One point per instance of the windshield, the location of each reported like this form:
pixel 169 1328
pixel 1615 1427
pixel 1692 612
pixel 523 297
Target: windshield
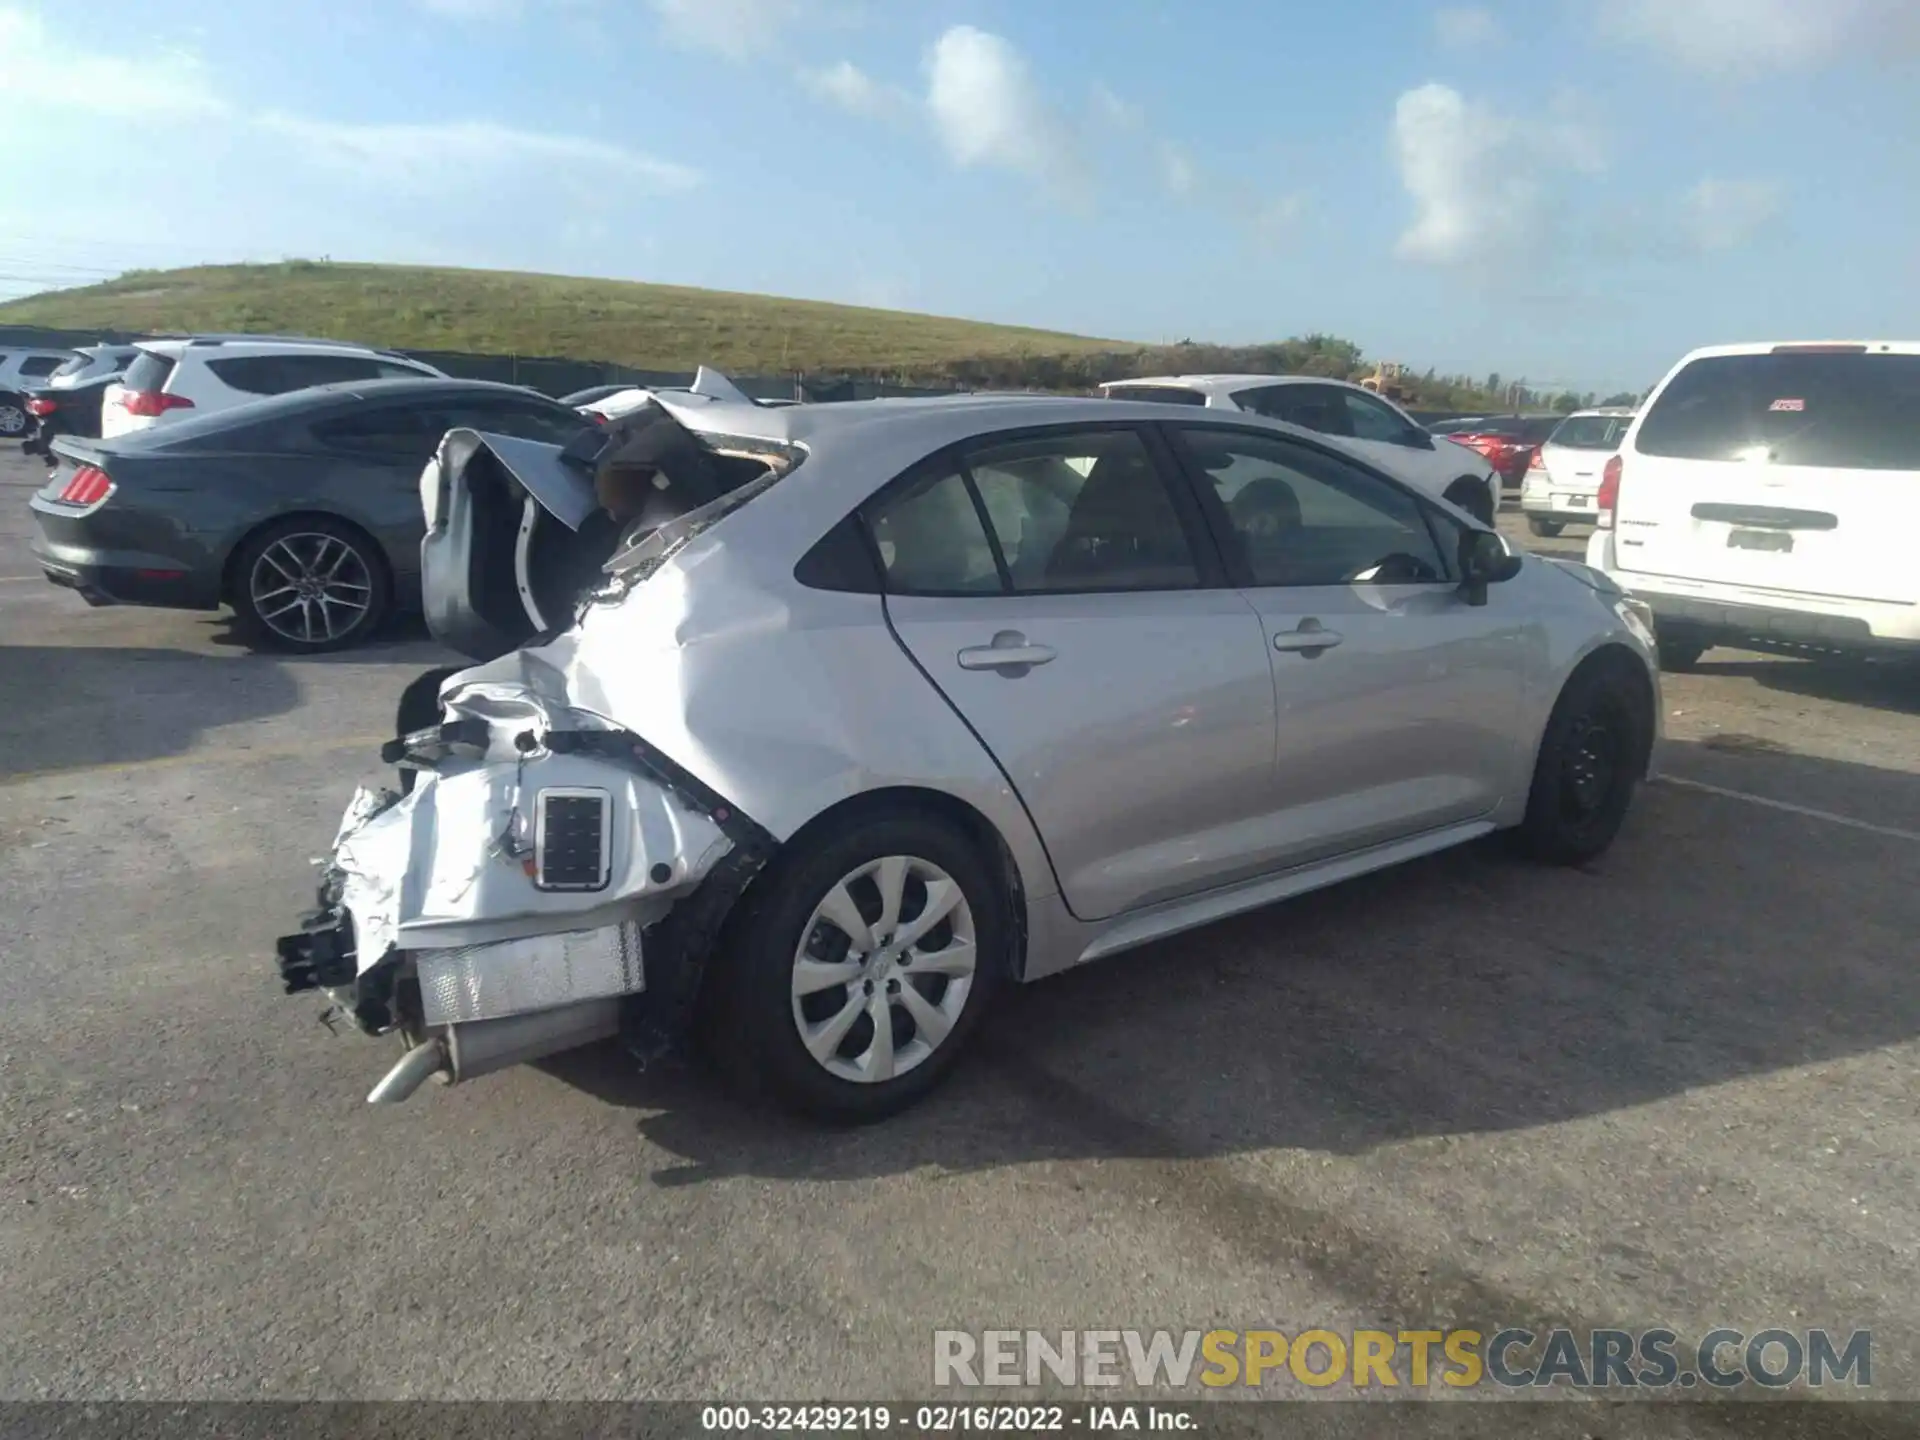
pixel 1590 432
pixel 1839 410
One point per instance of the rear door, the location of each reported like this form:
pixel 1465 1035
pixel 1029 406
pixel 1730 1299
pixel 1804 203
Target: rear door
pixel 1058 587
pixel 1795 470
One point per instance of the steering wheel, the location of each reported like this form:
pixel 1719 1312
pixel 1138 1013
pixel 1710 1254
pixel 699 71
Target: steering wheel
pixel 1398 568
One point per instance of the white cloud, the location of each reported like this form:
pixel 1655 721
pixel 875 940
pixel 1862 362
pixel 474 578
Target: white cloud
pixel 1478 178
pixel 432 156
pixel 1466 27
pixel 1725 214
pixel 37 70
pixel 1740 39
pixel 735 29
pixel 853 90
pixel 1177 170
pixel 989 112
pixel 1116 113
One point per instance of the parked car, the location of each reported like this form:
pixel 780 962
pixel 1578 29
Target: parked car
pixel 1375 429
pixel 922 697
pixel 300 512
pixel 21 370
pixel 1772 492
pixel 579 399
pixel 1563 477
pixel 171 379
pixel 68 401
pixel 1508 442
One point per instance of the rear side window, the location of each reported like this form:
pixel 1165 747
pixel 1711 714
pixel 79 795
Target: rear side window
pixel 1590 432
pixel 149 371
pixel 528 422
pixel 36 366
pixel 1157 394
pixel 1319 408
pixel 279 374
pixel 1846 411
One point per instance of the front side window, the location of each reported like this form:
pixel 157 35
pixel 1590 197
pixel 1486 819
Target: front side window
pixel 1304 518
pixel 1371 420
pixel 513 417
pixel 388 432
pixel 1157 394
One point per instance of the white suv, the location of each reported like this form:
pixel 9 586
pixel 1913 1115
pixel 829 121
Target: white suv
pixel 1376 430
pixel 1772 492
pixel 169 379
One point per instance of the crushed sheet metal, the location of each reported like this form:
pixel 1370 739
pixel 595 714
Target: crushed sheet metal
pixel 541 972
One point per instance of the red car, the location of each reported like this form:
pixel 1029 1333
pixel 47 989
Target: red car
pixel 1508 442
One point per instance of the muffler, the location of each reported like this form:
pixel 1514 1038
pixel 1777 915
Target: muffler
pixel 479 1047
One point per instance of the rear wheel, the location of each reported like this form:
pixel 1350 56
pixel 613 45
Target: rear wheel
pixel 859 968
pixel 311 584
pixel 1680 650
pixel 13 417
pixel 1545 529
pixel 1591 760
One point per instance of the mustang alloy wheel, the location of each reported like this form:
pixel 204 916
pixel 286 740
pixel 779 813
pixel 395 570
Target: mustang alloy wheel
pixel 311 585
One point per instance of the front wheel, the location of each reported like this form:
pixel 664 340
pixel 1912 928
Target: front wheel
pixel 311 584
pixel 13 418
pixel 1591 760
pixel 859 968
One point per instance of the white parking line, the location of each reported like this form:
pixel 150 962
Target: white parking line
pixel 1792 809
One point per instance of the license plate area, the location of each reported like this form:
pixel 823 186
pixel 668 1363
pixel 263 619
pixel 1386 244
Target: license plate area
pixel 1777 541
pixel 1572 502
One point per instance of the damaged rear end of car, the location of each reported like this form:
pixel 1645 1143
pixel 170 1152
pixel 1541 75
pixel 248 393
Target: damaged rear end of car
pixel 540 876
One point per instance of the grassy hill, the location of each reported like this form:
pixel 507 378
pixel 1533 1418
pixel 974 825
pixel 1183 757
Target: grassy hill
pixel 655 327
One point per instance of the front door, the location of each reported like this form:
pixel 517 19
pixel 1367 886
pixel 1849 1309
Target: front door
pixel 1395 698
pixel 1090 641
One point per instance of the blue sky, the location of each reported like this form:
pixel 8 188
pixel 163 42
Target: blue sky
pixel 1575 191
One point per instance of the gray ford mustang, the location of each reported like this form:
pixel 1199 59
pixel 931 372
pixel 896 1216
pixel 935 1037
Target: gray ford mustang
pixel 806 730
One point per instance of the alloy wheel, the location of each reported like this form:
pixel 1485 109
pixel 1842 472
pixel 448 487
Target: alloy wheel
pixel 13 420
pixel 311 588
pixel 883 969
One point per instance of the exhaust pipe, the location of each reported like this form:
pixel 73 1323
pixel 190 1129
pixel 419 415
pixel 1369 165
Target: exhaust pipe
pixel 479 1047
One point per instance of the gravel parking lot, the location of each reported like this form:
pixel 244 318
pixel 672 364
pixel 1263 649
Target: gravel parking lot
pixel 1674 1088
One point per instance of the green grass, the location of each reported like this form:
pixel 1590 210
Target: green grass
pixel 654 327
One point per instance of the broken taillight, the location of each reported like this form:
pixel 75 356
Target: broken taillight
pixel 89 486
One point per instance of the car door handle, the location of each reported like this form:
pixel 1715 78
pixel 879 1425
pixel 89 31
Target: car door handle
pixel 1310 639
pixel 1009 651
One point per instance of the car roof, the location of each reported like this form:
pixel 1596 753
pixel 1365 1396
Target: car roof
pixel 1767 347
pixel 1226 382
pixel 1609 411
pixel 174 346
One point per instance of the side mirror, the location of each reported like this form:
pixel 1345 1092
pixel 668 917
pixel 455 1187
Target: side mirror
pixel 1484 560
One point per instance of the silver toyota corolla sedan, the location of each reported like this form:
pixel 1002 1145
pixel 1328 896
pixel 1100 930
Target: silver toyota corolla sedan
pixel 807 730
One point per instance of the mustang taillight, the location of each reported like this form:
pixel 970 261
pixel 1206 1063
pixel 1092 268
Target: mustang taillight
pixel 40 405
pixel 89 486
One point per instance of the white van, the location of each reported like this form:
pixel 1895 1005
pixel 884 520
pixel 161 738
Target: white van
pixel 1772 492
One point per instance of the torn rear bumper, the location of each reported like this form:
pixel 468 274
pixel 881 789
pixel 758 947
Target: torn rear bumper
pixel 534 890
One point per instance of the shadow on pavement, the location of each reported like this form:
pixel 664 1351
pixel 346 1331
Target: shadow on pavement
pixel 1886 684
pixel 403 639
pixel 1472 992
pixel 73 706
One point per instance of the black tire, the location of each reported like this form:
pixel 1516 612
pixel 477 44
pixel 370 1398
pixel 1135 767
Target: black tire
pixel 1680 651
pixel 359 576
pixel 1471 496
pixel 750 1021
pixel 1591 761
pixel 13 416
pixel 1545 529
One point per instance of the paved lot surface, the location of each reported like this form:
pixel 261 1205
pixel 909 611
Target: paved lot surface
pixel 1676 1088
